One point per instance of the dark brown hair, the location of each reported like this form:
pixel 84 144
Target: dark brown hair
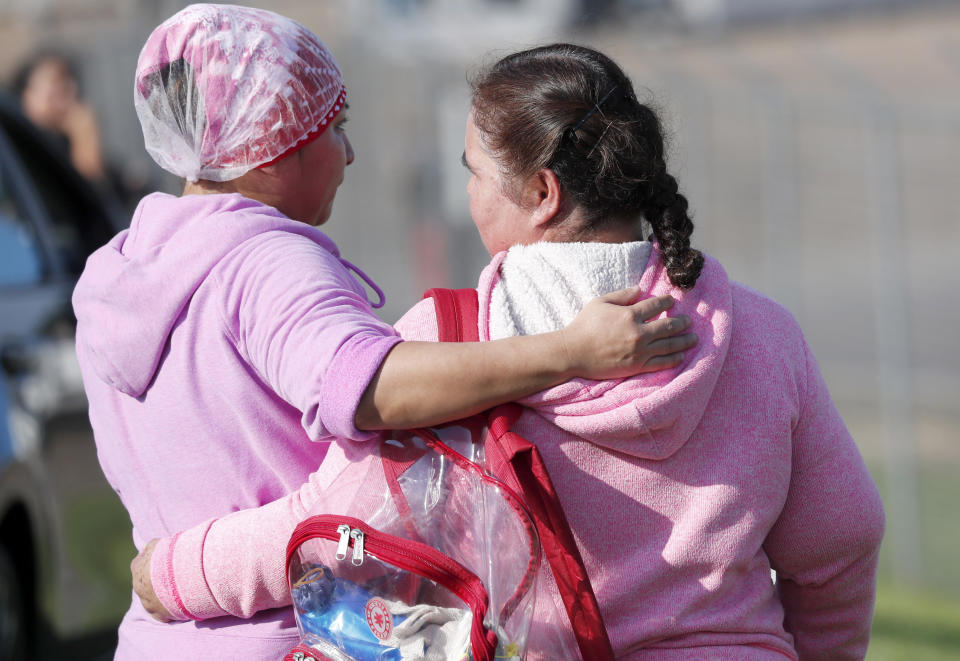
pixel 174 84
pixel 572 109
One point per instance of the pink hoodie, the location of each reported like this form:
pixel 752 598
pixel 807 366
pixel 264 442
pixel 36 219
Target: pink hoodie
pixel 684 488
pixel 217 339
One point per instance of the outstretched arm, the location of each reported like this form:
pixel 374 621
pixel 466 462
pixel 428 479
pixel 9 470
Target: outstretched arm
pixel 299 319
pixel 232 565
pixel 425 383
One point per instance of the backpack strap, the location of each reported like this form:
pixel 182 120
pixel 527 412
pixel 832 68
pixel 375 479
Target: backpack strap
pixel 457 314
pixel 518 462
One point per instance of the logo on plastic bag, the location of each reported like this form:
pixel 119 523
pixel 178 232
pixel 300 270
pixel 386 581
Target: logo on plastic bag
pixel 379 619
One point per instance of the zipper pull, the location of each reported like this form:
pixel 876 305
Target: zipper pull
pixel 357 536
pixel 344 531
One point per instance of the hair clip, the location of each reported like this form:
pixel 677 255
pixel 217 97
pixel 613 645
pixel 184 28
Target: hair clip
pixel 594 109
pixel 599 140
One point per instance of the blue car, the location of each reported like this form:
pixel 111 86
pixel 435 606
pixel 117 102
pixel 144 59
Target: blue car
pixel 64 537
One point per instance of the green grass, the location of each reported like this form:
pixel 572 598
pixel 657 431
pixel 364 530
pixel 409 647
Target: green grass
pixel 915 626
pixel 923 623
pixel 98 544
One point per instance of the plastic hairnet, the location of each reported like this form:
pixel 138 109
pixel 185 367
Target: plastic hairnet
pixel 222 89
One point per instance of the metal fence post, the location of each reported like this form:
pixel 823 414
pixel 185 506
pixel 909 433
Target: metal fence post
pixel 895 377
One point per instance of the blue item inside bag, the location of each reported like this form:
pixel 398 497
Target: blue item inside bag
pixel 336 608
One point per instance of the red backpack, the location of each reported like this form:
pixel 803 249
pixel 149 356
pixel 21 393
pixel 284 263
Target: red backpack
pixel 419 525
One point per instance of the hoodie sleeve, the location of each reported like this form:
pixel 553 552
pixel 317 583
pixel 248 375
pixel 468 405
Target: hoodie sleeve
pixel 235 565
pixel 826 541
pixel 304 325
pixel 419 323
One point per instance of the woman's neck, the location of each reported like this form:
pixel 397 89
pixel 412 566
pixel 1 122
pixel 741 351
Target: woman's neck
pixel 617 231
pixel 204 187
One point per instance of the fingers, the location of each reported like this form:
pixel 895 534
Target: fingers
pixel 670 345
pixel 143 558
pixel 658 363
pixel 136 569
pixel 140 571
pixel 158 613
pixel 651 307
pixel 667 327
pixel 644 346
pixel 622 296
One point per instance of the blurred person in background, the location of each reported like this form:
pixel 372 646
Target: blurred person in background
pixel 223 332
pixel 683 489
pixel 49 88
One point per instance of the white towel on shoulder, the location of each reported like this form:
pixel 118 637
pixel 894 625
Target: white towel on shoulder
pixel 543 286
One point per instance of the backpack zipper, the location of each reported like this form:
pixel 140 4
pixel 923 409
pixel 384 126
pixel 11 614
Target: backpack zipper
pixel 318 651
pixel 409 555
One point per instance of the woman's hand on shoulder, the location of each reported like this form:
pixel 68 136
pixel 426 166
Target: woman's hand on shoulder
pixel 611 337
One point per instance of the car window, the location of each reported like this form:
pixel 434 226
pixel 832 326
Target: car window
pixel 20 254
pixel 79 222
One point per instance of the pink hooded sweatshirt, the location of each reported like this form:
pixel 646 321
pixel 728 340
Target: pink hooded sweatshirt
pixel 684 488
pixel 218 339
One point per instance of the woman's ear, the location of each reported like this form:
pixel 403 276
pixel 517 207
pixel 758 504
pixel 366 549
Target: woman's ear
pixel 545 196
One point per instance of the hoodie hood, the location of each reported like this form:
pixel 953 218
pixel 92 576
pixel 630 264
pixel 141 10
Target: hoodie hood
pixel 134 289
pixel 541 287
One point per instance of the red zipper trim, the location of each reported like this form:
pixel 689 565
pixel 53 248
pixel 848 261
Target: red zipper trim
pixel 434 441
pixel 308 653
pixel 511 497
pixel 411 556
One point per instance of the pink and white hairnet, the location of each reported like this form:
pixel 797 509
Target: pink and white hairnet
pixel 222 89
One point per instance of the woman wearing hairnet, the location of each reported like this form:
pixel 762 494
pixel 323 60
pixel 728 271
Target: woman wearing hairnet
pixel 223 331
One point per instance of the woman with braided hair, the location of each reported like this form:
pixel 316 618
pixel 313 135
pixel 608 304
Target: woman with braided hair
pixel 683 488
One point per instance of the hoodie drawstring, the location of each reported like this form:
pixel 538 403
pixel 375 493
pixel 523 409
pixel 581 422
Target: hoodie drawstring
pixel 370 283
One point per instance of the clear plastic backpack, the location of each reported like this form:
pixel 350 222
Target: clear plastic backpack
pixel 427 546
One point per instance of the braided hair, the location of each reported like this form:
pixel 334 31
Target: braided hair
pixel 572 110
